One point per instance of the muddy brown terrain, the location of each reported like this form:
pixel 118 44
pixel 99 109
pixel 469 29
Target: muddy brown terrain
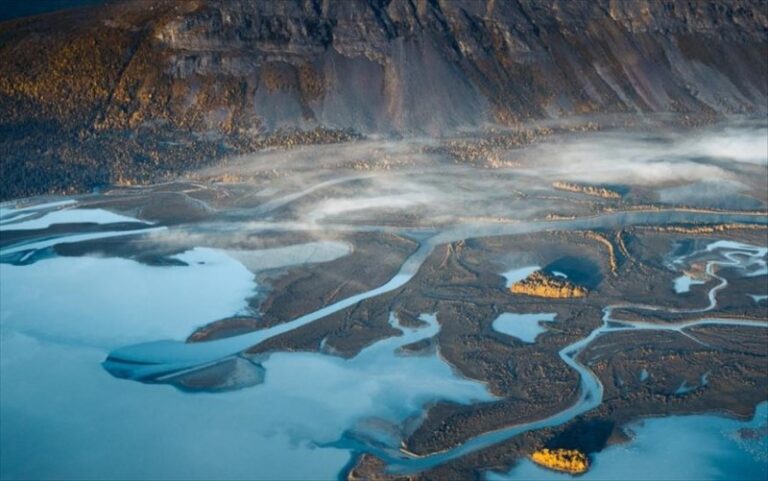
pixel 530 379
pixel 645 373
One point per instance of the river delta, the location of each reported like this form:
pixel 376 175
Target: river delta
pixel 350 306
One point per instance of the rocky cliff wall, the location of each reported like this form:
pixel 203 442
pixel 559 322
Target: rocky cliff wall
pixel 410 67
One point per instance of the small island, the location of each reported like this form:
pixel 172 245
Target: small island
pixel 570 461
pixel 540 284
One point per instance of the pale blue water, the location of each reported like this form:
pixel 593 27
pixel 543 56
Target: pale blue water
pixel 67 417
pixel 683 283
pixel 702 447
pixel 63 416
pixel 108 302
pixel 9 212
pixel 66 216
pixel 525 327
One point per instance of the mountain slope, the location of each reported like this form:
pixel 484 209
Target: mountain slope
pixel 131 80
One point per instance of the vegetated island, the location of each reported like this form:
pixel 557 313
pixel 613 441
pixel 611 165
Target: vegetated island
pixel 593 190
pixel 570 461
pixel 540 284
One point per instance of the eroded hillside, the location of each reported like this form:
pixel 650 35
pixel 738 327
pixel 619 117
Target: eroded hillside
pixel 132 91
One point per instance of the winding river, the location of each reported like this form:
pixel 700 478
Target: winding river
pixel 152 360
pixel 591 390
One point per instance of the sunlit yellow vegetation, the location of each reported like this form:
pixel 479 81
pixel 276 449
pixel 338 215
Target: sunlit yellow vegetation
pixel 541 285
pixel 587 189
pixel 567 460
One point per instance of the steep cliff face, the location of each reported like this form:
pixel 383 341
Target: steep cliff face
pixel 375 66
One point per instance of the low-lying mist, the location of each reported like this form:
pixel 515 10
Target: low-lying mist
pixel 414 181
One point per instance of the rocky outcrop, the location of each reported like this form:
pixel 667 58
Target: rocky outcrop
pixel 231 72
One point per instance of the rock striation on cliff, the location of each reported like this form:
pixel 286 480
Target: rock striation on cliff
pixel 196 72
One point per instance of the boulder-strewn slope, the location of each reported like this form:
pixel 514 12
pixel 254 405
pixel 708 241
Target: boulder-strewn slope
pixel 128 90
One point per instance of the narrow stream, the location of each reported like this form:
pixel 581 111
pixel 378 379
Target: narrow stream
pixel 591 390
pixel 161 358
